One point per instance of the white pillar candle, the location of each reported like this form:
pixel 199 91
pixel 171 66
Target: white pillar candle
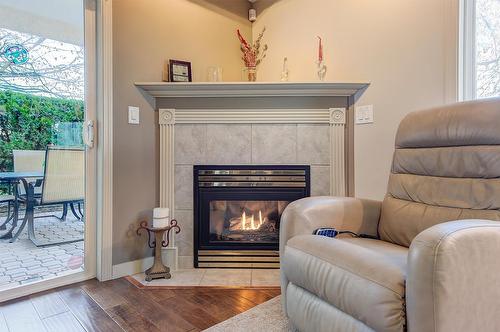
pixel 161 212
pixel 160 217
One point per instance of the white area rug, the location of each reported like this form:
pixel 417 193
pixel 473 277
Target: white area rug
pixel 264 317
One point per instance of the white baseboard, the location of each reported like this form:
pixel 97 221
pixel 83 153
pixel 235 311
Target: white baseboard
pixel 132 267
pixel 169 257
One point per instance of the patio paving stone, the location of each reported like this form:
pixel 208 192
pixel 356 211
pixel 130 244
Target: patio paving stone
pixel 21 270
pixel 53 264
pixel 32 267
pixel 11 265
pixel 4 279
pixel 18 276
pixel 39 271
pixel 9 260
pixel 30 280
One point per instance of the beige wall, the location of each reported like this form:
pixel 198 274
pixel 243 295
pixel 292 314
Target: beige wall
pixel 145 33
pixel 406 49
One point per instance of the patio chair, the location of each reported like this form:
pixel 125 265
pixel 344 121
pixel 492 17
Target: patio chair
pixel 34 161
pixel 63 183
pixel 12 212
pixel 28 161
pixel 24 161
pixel 63 176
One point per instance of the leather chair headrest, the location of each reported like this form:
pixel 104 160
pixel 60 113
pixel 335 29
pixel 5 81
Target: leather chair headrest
pixel 462 124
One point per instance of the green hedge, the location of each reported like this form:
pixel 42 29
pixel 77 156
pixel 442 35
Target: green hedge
pixel 27 122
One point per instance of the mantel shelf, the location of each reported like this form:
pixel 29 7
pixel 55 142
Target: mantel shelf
pixel 253 89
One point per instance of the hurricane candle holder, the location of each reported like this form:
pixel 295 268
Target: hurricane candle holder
pixel 158 270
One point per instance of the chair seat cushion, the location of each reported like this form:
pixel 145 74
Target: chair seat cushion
pixel 364 278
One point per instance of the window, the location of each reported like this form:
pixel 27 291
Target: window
pixel 480 59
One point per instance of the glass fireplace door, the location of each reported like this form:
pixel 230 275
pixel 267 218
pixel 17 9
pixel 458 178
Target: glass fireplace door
pixel 243 219
pixel 237 212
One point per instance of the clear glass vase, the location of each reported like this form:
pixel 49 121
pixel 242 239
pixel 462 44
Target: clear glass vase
pixel 250 74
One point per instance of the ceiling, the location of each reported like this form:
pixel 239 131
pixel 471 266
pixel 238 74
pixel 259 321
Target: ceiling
pixel 234 7
pixel 237 7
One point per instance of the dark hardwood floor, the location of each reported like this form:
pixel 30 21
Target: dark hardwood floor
pixel 120 306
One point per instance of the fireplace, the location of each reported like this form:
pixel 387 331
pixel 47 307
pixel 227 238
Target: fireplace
pixel 237 211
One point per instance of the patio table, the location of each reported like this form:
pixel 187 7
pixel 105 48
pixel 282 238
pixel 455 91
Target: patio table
pixel 14 178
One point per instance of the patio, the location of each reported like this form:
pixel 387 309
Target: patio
pixel 22 262
pixel 45 186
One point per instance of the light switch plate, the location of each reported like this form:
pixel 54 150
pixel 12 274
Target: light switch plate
pixel 133 115
pixel 364 114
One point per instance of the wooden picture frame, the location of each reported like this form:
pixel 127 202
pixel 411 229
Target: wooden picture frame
pixel 180 71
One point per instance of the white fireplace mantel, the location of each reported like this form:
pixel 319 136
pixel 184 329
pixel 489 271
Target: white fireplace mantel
pixel 339 119
pixel 251 89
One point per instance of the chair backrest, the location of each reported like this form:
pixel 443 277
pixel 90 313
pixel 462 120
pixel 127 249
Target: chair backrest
pixel 446 166
pixel 64 175
pixel 28 161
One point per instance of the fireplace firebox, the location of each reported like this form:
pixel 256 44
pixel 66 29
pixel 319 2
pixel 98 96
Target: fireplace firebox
pixel 237 211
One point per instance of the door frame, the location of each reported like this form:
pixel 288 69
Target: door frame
pixel 98 191
pixel 104 15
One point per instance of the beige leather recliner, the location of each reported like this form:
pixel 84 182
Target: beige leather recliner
pixel 436 266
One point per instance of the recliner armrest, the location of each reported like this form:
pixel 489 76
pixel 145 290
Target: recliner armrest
pixel 343 213
pixel 453 279
pixel 308 214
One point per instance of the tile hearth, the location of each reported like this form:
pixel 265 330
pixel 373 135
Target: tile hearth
pixel 216 278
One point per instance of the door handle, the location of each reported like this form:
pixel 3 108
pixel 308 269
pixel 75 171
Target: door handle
pixel 88 133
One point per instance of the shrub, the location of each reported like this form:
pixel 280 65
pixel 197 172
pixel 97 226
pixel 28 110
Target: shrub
pixel 27 122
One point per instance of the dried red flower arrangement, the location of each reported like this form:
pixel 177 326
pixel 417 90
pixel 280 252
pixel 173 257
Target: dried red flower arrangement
pixel 252 55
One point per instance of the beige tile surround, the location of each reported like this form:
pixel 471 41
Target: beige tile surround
pixel 216 278
pixel 198 144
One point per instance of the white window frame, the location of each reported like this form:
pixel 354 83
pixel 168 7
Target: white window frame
pixel 467 50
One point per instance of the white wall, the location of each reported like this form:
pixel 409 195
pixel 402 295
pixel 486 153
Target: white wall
pixel 406 49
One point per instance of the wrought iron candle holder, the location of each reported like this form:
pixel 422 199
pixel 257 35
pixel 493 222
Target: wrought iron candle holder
pixel 158 270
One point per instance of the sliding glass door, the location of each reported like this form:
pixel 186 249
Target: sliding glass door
pixel 47 158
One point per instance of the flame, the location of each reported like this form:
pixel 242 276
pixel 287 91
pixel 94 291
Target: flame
pixel 253 226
